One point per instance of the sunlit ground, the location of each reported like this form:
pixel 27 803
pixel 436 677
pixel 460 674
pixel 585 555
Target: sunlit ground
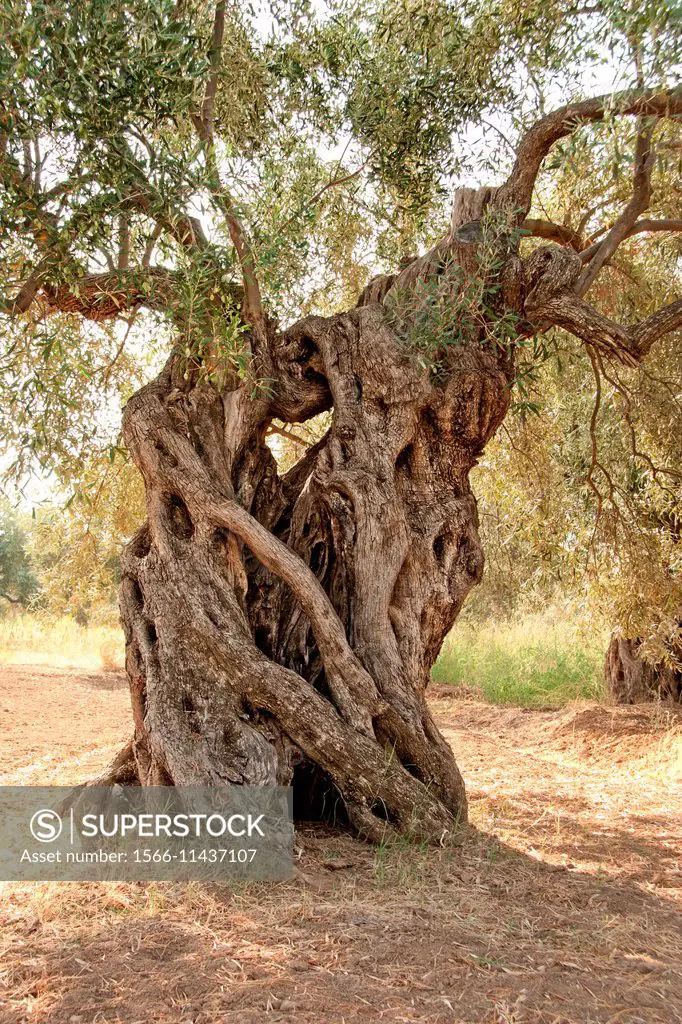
pixel 562 905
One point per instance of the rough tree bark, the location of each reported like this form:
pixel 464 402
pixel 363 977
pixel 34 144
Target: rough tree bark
pixel 631 680
pixel 281 630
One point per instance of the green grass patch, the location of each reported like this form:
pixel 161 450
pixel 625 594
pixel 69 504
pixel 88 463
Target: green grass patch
pixel 538 661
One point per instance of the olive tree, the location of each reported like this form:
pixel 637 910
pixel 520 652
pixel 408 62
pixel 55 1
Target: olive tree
pixel 281 626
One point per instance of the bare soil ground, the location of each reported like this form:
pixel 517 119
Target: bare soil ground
pixel 562 906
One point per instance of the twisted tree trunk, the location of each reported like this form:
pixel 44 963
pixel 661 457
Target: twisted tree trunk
pixel 631 680
pixel 281 629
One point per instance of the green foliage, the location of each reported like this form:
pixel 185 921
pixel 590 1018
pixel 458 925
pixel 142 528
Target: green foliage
pixel 603 527
pixel 65 559
pixel 75 550
pixel 456 306
pixel 62 385
pixel 99 66
pixel 18 582
pixel 419 72
pixel 213 342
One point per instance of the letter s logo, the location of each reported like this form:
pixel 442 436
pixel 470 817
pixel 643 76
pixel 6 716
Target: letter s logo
pixel 46 826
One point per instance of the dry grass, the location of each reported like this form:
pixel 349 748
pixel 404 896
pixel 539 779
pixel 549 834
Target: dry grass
pixel 561 908
pixel 483 935
pixel 59 641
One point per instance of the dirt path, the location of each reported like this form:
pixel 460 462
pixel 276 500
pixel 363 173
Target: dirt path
pixel 59 725
pixel 563 906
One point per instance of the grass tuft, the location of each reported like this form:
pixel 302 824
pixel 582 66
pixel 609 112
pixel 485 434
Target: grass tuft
pixel 537 661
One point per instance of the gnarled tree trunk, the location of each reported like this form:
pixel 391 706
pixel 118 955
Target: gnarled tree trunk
pixel 632 680
pixel 281 629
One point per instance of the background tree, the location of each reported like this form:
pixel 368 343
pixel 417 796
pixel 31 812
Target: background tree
pixel 281 627
pixel 580 492
pixel 76 551
pixel 18 581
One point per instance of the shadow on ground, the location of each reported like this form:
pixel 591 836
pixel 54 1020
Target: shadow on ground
pixel 562 906
pixel 481 933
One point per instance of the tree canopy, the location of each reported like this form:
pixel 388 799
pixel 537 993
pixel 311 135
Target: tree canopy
pixel 154 154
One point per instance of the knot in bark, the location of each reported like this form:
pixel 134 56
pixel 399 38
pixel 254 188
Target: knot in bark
pixel 549 270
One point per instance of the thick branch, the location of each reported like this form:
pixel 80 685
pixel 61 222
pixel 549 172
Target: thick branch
pixel 639 201
pixel 627 344
pixel 560 233
pixel 657 325
pixel 352 687
pixel 517 191
pixel 99 296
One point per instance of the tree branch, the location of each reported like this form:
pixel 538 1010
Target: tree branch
pixel 627 344
pixel 253 303
pixel 290 435
pixel 98 296
pixel 639 201
pixel 151 243
pixel 186 230
pixel 560 233
pixel 28 291
pixel 639 227
pixel 203 122
pixel 517 191
pixel 335 182
pixel 214 58
pixel 39 221
pixel 648 331
pixel 123 242
pixel 594 457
